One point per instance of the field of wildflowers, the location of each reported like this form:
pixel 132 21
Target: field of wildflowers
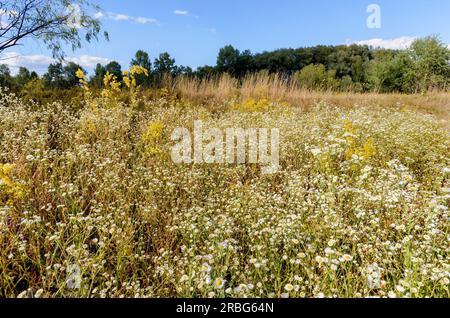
pixel 91 204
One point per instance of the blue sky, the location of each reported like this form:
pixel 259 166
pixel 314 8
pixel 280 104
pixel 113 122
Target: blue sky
pixel 193 31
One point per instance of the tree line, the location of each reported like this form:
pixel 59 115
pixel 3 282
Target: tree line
pixel 424 66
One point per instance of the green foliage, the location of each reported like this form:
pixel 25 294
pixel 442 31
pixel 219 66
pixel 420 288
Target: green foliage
pixel 233 62
pixel 431 63
pixel 62 77
pixel 142 59
pixel 182 71
pixel 206 71
pixel 6 79
pixel 227 59
pixel 99 74
pixel 56 23
pixel 115 69
pixel 392 73
pixel 164 64
pixel 423 67
pixel 23 77
pixel 316 77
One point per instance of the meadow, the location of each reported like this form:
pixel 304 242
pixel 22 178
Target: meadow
pixel 91 204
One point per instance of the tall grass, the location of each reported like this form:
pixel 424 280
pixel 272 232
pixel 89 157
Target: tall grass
pixel 275 87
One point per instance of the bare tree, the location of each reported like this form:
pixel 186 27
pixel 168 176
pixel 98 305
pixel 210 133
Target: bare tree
pixel 54 22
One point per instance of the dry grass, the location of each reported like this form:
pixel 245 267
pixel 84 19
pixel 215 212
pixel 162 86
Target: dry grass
pixel 276 88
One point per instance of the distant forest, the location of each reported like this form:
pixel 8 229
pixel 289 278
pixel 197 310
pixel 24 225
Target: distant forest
pixel 424 66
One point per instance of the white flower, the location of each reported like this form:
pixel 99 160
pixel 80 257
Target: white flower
pixel 391 294
pixel 223 245
pixel 39 293
pixel 331 243
pixel 400 289
pixel 345 258
pixel 205 267
pixel 219 283
pixel 316 152
pixel 23 294
pixel 373 276
pixel 329 251
pixel 184 278
pixel 319 259
pixel 289 287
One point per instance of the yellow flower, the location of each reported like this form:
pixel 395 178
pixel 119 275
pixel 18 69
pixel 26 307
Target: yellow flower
pixel 252 105
pixel 130 76
pixel 151 138
pixel 137 70
pixel 6 169
pixel 80 74
pixel 10 191
pixel 154 132
pixel 127 81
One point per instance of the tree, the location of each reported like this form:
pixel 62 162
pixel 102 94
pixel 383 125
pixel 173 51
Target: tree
pixel 54 77
pixel 349 61
pixel 23 77
pixel 115 69
pixel 54 22
pixel 59 76
pixel 206 72
pixel 182 71
pixel 316 77
pixel 142 59
pixel 244 64
pixel 392 72
pixel 5 76
pixel 34 76
pixel 431 62
pixel 70 77
pixel 99 74
pixel 164 64
pixel 227 59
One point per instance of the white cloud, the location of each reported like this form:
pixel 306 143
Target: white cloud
pixel 99 15
pixel 403 42
pixel 141 20
pixel 181 12
pixel 40 63
pixel 88 61
pixel 120 17
pixel 185 13
pixel 34 62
